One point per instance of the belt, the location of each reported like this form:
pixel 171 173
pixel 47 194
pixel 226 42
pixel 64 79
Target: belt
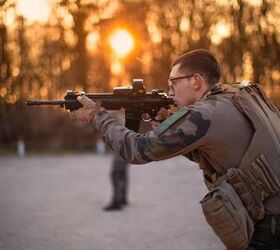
pixel 267 233
pixel 271 222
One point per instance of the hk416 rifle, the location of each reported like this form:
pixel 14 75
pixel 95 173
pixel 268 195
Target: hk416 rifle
pixel 138 104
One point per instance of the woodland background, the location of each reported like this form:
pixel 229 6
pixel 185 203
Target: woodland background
pixel 70 50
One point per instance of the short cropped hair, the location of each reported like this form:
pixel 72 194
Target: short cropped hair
pixel 200 61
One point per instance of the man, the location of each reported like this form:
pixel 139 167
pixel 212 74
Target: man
pixel 209 129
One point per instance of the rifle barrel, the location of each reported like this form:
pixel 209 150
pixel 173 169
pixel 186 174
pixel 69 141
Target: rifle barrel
pixel 45 102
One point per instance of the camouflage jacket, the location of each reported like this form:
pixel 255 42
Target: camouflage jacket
pixel 212 127
pixel 211 132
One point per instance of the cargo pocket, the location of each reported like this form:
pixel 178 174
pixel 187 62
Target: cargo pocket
pixel 228 217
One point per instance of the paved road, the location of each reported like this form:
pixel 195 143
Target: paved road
pixel 54 203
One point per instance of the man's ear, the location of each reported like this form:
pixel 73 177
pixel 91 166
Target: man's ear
pixel 198 81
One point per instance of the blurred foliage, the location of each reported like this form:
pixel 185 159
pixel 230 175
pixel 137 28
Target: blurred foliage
pixel 71 51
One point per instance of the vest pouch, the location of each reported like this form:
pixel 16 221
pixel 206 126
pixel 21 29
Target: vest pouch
pixel 228 217
pixel 263 178
pixel 244 187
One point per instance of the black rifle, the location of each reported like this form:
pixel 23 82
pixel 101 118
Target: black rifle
pixel 134 99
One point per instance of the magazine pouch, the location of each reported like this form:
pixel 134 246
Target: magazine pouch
pixel 228 217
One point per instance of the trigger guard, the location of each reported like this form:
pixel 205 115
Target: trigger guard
pixel 146 117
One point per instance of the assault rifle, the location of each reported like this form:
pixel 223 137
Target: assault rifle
pixel 137 103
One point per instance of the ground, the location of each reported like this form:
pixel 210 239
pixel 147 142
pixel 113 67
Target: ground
pixel 55 203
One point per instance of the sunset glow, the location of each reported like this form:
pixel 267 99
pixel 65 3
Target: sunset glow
pixel 219 32
pixel 91 41
pixel 34 10
pixel 121 41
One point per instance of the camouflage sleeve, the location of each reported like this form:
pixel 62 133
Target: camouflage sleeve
pixel 179 134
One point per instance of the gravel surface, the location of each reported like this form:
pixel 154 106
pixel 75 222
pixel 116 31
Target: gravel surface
pixel 55 203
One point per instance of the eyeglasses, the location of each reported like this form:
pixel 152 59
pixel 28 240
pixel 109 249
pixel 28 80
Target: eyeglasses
pixel 172 79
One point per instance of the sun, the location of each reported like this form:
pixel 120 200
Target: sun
pixel 121 42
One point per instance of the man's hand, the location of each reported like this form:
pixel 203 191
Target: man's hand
pixel 87 112
pixel 161 116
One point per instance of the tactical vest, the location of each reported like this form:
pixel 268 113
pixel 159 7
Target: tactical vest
pixel 258 175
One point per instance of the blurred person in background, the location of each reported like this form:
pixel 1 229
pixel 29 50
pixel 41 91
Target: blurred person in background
pixel 119 182
pixel 119 177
